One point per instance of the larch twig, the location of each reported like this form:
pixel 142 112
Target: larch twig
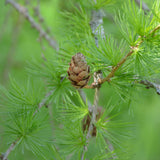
pixel 22 10
pixel 12 146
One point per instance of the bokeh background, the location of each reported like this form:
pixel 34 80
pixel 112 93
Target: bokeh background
pixel 19 42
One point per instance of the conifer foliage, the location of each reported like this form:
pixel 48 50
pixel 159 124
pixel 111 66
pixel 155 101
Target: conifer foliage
pixel 59 120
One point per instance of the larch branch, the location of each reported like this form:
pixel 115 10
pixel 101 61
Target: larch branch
pixel 124 59
pixel 40 105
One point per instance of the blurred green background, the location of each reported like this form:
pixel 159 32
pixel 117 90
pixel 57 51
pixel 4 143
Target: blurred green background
pixel 19 43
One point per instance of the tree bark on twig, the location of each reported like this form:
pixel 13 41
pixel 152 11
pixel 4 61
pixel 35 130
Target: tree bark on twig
pixel 149 84
pixel 22 10
pixel 43 102
pixel 12 146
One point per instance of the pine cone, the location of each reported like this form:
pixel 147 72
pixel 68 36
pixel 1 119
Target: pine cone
pixel 78 71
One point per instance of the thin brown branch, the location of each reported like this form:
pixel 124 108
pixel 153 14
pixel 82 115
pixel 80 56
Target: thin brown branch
pixel 12 146
pixel 22 10
pixel 154 30
pixel 123 60
pixel 111 74
pixel 115 68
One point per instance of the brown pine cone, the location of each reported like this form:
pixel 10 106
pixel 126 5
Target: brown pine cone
pixel 78 71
